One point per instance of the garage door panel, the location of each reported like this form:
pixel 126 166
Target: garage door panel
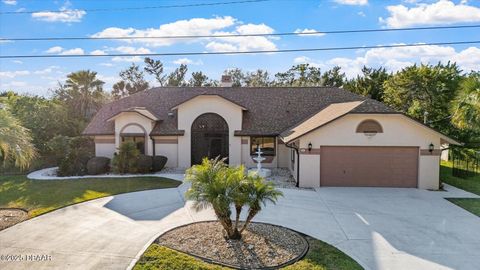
pixel 368 166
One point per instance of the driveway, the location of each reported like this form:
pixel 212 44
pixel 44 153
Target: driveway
pixel 381 228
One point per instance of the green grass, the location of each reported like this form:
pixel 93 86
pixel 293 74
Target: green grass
pixel 471 184
pixel 320 256
pixel 39 197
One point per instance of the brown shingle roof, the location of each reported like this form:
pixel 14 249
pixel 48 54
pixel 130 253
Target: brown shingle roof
pixel 269 110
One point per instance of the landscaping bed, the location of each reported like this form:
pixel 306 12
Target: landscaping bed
pixel 262 245
pixel 11 216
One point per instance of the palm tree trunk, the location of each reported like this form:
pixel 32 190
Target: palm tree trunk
pixel 251 215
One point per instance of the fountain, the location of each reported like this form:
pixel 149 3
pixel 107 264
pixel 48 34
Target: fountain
pixel 262 172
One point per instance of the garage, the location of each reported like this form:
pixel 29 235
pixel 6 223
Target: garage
pixel 369 166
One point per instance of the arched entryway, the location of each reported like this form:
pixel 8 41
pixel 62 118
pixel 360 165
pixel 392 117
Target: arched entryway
pixel 209 137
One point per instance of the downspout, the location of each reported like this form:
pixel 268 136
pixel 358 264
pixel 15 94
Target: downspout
pixel 153 143
pixel 298 161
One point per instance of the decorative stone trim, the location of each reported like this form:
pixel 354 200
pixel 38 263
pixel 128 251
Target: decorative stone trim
pixel 426 152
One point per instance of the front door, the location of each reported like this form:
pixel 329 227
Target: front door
pixel 209 138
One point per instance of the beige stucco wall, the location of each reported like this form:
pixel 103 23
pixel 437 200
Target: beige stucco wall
pixel 166 146
pixel 123 123
pixel 398 130
pixel 104 146
pixel 283 155
pixel 190 110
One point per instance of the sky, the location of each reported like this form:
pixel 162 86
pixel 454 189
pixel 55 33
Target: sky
pixel 78 19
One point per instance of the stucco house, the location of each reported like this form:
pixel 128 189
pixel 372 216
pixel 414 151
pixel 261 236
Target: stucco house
pixel 326 136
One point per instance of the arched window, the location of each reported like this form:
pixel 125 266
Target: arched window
pixel 369 126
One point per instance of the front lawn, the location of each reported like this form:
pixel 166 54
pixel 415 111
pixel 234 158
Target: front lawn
pixel 321 256
pixel 41 196
pixel 471 184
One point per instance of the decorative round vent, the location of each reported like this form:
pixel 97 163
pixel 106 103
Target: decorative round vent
pixel 369 127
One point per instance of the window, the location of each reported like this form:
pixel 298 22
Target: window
pixel 369 126
pixel 138 140
pixel 266 143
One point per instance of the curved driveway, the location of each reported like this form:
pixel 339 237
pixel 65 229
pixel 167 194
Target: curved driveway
pixel 381 228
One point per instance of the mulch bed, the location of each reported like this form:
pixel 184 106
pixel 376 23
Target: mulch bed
pixel 262 245
pixel 11 216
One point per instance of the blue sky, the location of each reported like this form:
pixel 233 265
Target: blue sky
pixel 36 76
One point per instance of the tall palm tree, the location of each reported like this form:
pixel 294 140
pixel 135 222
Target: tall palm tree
pixel 84 92
pixel 15 141
pixel 466 105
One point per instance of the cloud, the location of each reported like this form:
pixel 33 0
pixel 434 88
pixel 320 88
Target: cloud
pixel 76 51
pixel 13 74
pixel 17 62
pixel 187 61
pixel 131 50
pixel 394 59
pixel 352 2
pixel 47 70
pixel 55 49
pixel 306 31
pixel 106 64
pixel 441 12
pixel 98 52
pixel 127 59
pixel 64 15
pixel 9 2
pixel 200 27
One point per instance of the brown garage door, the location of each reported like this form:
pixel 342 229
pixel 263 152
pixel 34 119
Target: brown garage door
pixel 368 166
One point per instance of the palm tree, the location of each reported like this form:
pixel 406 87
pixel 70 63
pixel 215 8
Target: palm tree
pixel 83 91
pixel 15 141
pixel 466 105
pixel 221 187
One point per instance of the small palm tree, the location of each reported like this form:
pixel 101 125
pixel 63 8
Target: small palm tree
pixel 15 141
pixel 221 187
pixel 466 105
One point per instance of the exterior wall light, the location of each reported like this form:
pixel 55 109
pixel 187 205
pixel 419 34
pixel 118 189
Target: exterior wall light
pixel 431 147
pixel 310 147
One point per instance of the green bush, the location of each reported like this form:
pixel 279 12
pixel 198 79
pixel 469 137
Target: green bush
pixel 80 150
pixel 144 164
pixel 98 165
pixel 126 159
pixel 159 163
pixel 57 147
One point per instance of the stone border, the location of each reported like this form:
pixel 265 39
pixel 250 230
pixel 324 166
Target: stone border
pixel 292 261
pixel 17 209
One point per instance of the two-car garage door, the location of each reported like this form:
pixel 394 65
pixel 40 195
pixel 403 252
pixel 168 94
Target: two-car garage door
pixel 361 166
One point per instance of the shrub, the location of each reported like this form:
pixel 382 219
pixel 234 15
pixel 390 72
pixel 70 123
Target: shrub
pixel 80 150
pixel 57 147
pixel 126 159
pixel 98 165
pixel 144 164
pixel 159 162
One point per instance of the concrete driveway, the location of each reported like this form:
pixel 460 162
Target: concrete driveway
pixel 380 228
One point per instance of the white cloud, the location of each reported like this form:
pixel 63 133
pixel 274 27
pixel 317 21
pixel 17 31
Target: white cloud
pixel 441 12
pixel 64 15
pixel 75 51
pixel 187 61
pixel 361 14
pixel 352 2
pixel 394 59
pixel 10 2
pixel 16 84
pixel 131 50
pixel 47 70
pixel 98 52
pixel 13 74
pixel 306 31
pixel 106 64
pixel 127 59
pixel 17 62
pixel 200 27
pixel 55 49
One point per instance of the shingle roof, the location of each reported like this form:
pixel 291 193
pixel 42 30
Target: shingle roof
pixel 269 110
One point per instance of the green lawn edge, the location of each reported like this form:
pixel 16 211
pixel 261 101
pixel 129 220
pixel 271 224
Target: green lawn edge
pixel 321 256
pixel 471 184
pixel 39 197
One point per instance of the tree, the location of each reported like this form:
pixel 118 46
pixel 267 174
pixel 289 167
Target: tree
pixel 15 141
pixel 300 75
pixel 198 79
pixel 215 184
pixel 333 77
pixel 155 68
pixel 370 83
pixel 258 78
pixel 177 77
pixel 133 81
pixel 466 105
pixel 82 93
pixel 238 77
pixel 424 90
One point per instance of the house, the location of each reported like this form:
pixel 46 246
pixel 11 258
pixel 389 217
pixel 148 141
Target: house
pixel 326 136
